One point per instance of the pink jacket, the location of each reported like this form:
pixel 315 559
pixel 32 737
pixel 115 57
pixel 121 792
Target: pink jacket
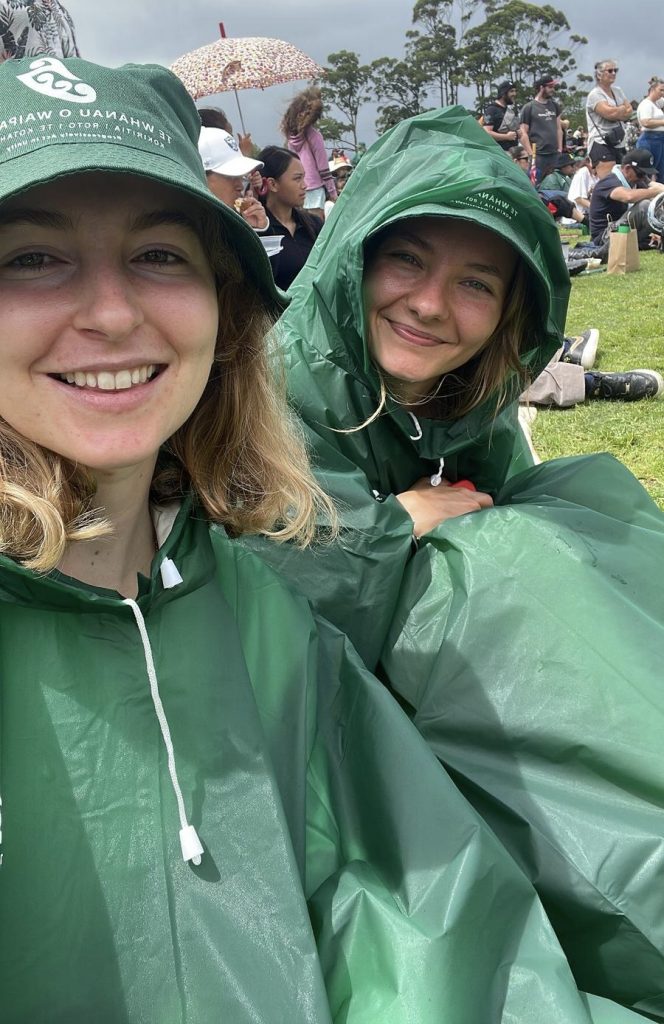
pixel 310 148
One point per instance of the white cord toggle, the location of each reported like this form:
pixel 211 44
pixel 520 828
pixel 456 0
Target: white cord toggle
pixel 189 841
pixel 192 848
pixel 437 478
pixel 170 577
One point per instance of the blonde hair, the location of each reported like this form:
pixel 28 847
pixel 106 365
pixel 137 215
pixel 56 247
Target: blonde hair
pixel 302 112
pixel 239 450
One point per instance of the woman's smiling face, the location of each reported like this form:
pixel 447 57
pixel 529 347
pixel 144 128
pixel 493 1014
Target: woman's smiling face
pixel 109 317
pixel 434 292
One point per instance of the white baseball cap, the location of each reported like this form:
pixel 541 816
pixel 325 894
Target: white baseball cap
pixel 220 153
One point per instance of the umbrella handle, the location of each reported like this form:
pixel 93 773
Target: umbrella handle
pixel 222 33
pixel 239 110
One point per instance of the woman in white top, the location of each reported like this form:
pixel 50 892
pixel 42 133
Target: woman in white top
pixel 651 122
pixel 607 108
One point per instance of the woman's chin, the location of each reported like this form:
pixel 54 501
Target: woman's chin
pixel 115 459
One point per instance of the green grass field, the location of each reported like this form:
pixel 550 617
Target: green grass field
pixel 629 313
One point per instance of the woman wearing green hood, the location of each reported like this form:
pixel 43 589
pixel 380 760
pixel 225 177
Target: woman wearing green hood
pixel 523 625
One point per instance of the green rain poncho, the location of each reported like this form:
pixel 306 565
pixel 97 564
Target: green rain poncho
pixel 528 639
pixel 344 878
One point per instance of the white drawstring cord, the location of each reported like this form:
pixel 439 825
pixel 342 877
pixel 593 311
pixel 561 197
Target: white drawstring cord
pixel 192 848
pixel 437 478
pixel 418 428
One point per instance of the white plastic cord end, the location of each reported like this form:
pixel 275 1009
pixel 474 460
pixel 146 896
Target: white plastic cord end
pixel 192 848
pixel 170 577
pixel 437 478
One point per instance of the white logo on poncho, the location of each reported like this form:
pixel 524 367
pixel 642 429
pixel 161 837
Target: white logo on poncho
pixel 51 78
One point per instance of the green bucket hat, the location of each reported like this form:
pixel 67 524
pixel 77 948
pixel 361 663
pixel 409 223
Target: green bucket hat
pixel 64 117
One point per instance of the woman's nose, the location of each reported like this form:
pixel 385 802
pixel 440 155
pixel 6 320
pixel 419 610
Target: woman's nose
pixel 107 303
pixel 429 299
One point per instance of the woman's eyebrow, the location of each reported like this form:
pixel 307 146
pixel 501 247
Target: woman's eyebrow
pixel 40 218
pixel 410 236
pixel 486 268
pixel 159 218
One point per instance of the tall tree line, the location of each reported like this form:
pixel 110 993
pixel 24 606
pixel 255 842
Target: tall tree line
pixel 454 44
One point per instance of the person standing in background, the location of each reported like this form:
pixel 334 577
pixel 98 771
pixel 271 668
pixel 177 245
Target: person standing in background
pixel 540 125
pixel 607 111
pixel 36 27
pixel 501 117
pixel 304 139
pixel 342 169
pixel 651 122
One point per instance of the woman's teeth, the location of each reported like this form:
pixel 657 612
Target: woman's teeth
pixel 110 381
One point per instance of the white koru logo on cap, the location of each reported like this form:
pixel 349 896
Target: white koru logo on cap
pixel 51 78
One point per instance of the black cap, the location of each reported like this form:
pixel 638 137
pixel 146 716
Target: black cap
pixel 563 159
pixel 641 159
pixel 505 87
pixel 601 154
pixel 545 80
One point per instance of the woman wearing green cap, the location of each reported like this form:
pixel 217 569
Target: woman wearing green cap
pixel 210 811
pixel 520 621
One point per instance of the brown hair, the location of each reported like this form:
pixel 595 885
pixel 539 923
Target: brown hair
pixel 497 370
pixel 302 112
pixel 239 450
pixel 214 117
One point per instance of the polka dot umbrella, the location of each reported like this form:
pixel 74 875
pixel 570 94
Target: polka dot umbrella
pixel 249 63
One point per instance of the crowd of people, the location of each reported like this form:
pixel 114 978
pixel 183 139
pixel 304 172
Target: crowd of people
pixel 569 167
pixel 320 700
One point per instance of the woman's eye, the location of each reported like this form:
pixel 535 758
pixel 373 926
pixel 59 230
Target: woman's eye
pixel 405 257
pixel 31 261
pixel 478 286
pixel 161 257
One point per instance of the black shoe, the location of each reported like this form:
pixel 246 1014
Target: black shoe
pixel 626 387
pixel 581 350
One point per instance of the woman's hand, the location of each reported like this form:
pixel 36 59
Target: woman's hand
pixel 245 144
pixel 429 506
pixel 256 181
pixel 254 213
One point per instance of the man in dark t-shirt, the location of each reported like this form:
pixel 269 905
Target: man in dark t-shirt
pixel 501 117
pixel 624 196
pixel 540 125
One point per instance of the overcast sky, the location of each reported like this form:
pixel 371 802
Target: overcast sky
pixel 162 30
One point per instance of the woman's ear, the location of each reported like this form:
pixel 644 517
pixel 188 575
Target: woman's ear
pixel 271 184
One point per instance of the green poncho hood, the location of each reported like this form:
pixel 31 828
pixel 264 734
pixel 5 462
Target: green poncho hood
pixel 443 164
pixel 440 163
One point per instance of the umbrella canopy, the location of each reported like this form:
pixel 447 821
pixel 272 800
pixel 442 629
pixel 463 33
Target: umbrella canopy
pixel 250 63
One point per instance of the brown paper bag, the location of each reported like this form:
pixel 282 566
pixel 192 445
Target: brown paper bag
pixel 623 252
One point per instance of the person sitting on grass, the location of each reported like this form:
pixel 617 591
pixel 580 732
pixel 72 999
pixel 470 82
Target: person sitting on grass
pixel 623 197
pixel 210 810
pixel 226 170
pixel 569 378
pixel 559 176
pixel 524 612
